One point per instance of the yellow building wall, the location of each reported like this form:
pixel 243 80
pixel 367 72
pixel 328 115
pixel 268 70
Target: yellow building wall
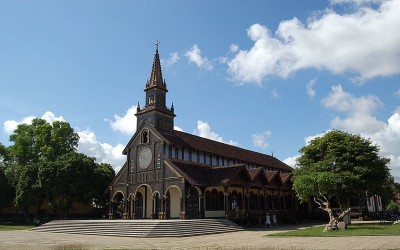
pixel 175 202
pixel 214 214
pixel 148 199
pixel 237 189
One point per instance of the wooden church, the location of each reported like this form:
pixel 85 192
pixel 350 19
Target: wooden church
pixel 170 174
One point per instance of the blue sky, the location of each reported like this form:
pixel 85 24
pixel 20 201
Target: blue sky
pixel 264 75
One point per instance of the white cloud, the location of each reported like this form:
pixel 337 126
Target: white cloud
pixel 358 111
pixel 125 124
pixel 103 152
pixel 234 48
pixel 10 125
pixel 310 88
pixel 387 138
pixel 274 93
pixel 358 122
pixel 260 140
pixel 359 119
pixel 356 2
pixel 291 161
pixel 50 117
pixel 204 130
pixel 178 129
pixel 336 42
pixel 194 55
pixel 308 139
pixel 343 101
pixel 173 58
pixel 88 144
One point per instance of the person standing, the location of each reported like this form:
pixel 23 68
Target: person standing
pixel 267 220
pixel 274 220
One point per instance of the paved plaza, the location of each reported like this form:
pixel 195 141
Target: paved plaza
pixel 248 239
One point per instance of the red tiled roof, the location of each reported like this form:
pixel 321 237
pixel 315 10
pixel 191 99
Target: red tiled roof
pixel 190 141
pixel 285 177
pixel 271 175
pixel 254 172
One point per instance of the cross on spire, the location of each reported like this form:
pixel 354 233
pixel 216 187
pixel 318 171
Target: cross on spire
pixel 156 44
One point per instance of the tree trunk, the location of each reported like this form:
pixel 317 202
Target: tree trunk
pixel 324 204
pixel 37 208
pixel 25 211
pixel 333 221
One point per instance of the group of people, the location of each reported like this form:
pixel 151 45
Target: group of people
pixel 268 222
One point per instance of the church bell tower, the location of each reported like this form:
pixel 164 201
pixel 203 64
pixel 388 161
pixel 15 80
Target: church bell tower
pixel 155 111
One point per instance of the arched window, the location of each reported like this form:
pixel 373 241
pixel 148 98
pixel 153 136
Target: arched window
pixel 208 200
pixel 220 201
pixel 262 203
pixel 145 137
pixel 252 201
pixel 214 200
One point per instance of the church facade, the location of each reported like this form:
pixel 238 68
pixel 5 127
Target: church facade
pixel 172 174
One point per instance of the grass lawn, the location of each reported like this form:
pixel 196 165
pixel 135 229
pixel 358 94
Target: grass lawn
pixel 8 226
pixel 352 230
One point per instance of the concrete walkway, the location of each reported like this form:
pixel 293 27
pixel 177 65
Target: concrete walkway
pixel 248 239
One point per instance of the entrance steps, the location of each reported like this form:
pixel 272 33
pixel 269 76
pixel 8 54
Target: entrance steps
pixel 140 228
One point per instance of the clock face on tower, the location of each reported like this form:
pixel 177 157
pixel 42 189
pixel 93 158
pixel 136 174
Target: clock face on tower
pixel 145 156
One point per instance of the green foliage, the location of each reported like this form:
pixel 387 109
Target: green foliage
pixel 352 230
pixel 68 180
pixel 391 192
pixel 42 141
pixel 7 191
pixel 42 164
pixel 74 177
pixel 339 165
pixel 35 147
pixel 103 175
pixel 312 184
pixel 29 191
pixel 392 206
pixel 9 226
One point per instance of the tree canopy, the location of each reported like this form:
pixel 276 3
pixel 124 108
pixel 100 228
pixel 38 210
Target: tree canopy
pixel 74 177
pixel 41 141
pixel 42 165
pixel 7 191
pixel 339 166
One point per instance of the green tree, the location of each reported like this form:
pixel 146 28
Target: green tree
pixel 103 175
pixel 339 166
pixel 29 192
pixel 7 191
pixel 41 141
pixel 35 146
pixel 67 180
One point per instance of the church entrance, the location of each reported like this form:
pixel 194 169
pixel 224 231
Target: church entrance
pixel 173 203
pixel 192 204
pixel 139 206
pixel 144 202
pixel 168 206
pixel 156 206
pixel 118 205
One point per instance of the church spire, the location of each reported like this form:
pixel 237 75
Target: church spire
pixel 156 79
pixel 155 110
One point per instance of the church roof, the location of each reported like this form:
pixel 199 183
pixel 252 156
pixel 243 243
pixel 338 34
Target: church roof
pixel 156 78
pixel 206 175
pixel 196 173
pixel 190 141
pixel 199 174
pixel 286 177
